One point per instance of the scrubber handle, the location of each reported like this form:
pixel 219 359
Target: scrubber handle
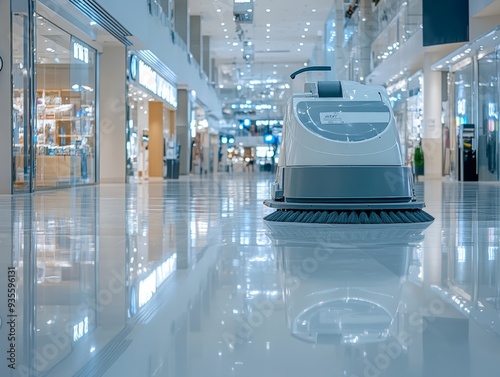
pixel 313 68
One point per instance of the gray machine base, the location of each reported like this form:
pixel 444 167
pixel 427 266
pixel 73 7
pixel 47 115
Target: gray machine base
pixel 342 206
pixel 346 184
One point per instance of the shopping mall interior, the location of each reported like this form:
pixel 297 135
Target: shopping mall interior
pixel 250 188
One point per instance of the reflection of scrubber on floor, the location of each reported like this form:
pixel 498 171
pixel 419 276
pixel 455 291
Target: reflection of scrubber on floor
pixel 340 159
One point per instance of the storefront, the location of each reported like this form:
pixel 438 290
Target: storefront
pixel 55 130
pixel 406 99
pixel 472 129
pixel 152 101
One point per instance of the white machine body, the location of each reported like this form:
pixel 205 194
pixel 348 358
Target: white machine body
pixel 367 145
pixel 340 144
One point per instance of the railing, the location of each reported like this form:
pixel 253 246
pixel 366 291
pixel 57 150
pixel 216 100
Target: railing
pixel 159 13
pixel 405 24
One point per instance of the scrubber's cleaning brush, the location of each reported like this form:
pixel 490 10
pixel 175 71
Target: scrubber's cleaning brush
pixel 351 217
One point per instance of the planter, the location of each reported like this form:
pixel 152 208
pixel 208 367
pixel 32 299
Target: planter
pixel 419 170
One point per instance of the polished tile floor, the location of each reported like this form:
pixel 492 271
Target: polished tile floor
pixel 184 279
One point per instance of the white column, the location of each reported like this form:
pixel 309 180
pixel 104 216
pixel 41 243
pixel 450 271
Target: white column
pixel 112 85
pixel 182 118
pixel 5 101
pixel 432 129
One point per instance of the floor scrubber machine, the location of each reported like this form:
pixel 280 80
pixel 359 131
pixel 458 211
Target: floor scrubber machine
pixel 340 160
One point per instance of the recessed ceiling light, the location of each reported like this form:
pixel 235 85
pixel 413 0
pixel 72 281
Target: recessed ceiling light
pixel 275 72
pixel 314 10
pixel 228 43
pixel 221 86
pixel 268 30
pixel 49 29
pixel 308 23
pixel 306 29
pixel 268 10
pixel 227 36
pixel 302 44
pixel 286 65
pixel 268 25
pixel 274 65
pixel 222 24
pixel 250 10
pixel 225 30
pixel 267 36
pixel 303 36
pixel 268 49
pixel 298 49
pixel 219 10
pixel 242 50
pixel 305 64
pixel 231 50
pixel 235 44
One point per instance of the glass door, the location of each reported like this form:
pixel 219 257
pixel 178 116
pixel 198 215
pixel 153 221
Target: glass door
pixel 23 86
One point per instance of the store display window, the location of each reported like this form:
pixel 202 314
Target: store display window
pixel 65 134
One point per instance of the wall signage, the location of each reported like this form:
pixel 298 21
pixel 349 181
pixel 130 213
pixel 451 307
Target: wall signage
pixel 133 66
pixel 148 78
pixel 81 52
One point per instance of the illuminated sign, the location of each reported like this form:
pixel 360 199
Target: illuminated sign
pixel 81 52
pixel 152 81
pixel 461 107
pixel 492 111
pixel 80 329
pixel 133 65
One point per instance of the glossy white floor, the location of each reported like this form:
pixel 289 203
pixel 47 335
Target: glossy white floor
pixel 185 279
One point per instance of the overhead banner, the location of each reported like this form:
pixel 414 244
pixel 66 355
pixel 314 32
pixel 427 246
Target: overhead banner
pixel 445 21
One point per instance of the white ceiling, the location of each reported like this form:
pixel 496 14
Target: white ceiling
pixel 283 38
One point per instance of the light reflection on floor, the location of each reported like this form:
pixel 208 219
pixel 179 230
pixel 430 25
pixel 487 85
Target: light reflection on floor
pixel 185 279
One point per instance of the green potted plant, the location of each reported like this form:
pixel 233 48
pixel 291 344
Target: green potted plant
pixel 418 160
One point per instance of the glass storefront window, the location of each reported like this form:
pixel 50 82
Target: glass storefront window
pixel 488 118
pixel 66 98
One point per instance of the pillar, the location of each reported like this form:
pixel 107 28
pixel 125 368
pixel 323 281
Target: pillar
pixel 207 62
pixel 182 128
pixel 5 102
pixel 432 129
pixel 155 145
pixel 214 78
pixel 195 40
pixel 181 18
pixel 112 114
